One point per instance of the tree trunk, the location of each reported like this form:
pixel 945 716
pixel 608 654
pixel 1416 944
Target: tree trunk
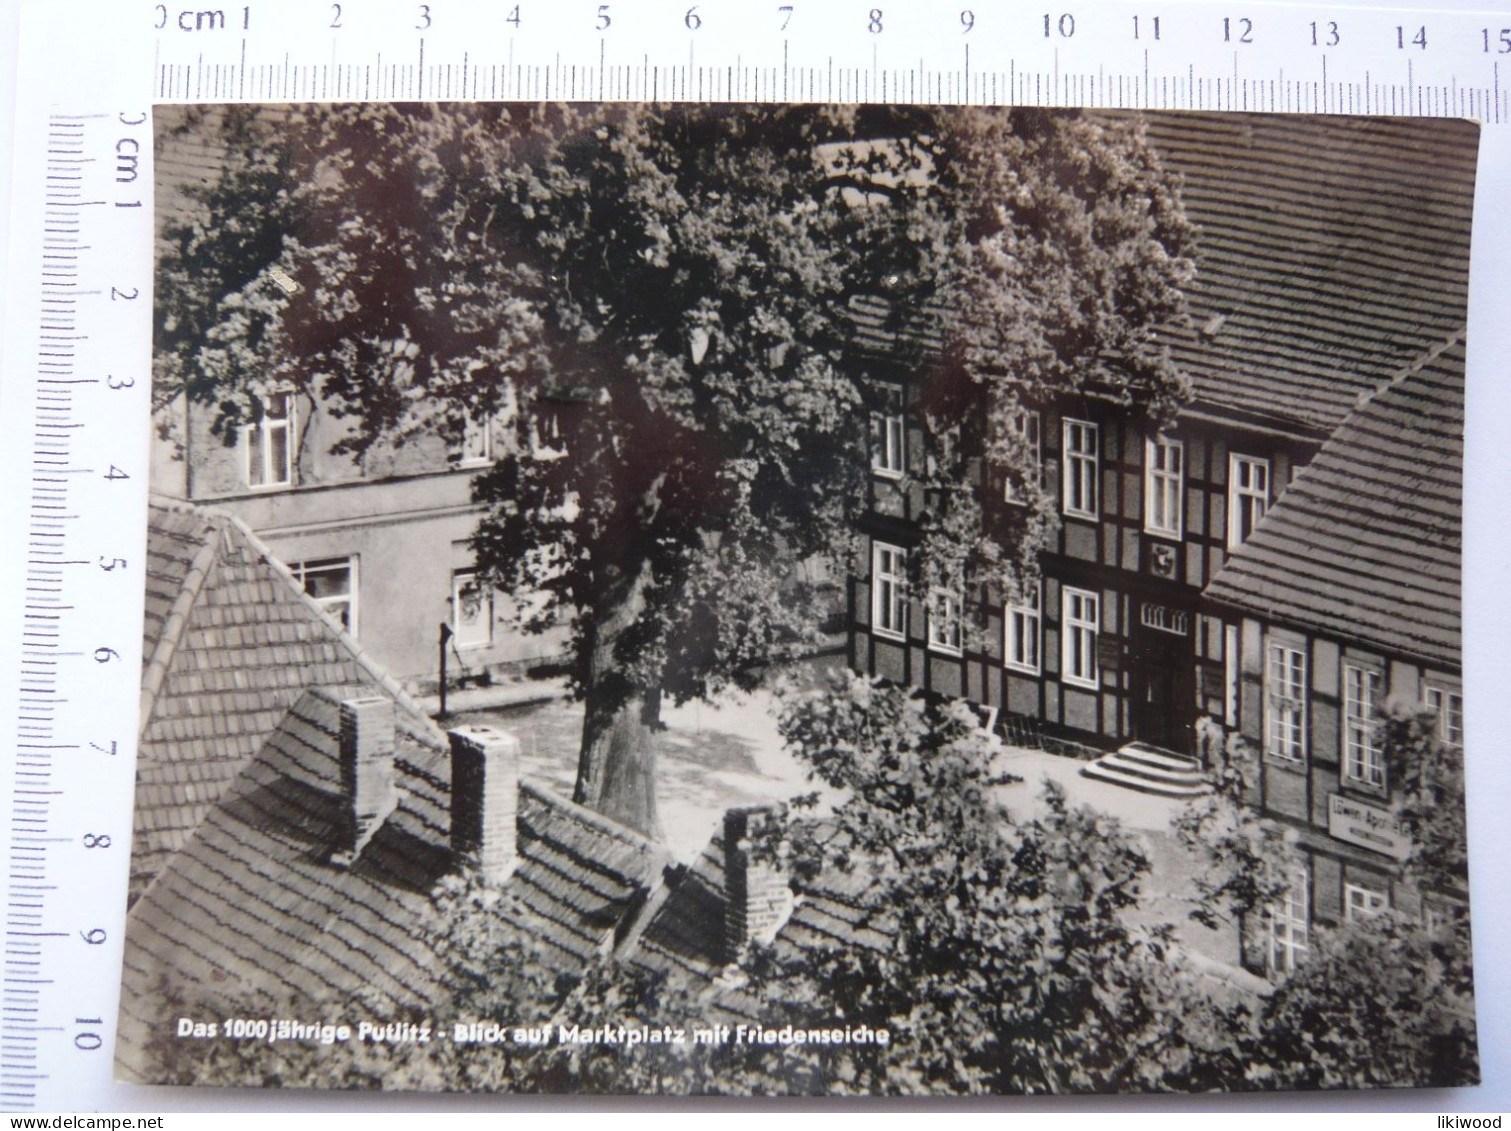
pixel 616 771
pixel 616 768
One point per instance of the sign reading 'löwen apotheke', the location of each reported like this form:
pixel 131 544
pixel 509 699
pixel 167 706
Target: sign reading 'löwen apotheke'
pixel 1367 826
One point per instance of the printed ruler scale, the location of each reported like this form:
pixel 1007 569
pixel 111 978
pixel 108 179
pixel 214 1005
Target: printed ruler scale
pixel 74 405
pixel 1108 53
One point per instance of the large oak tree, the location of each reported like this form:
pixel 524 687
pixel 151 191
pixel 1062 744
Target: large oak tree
pixel 657 300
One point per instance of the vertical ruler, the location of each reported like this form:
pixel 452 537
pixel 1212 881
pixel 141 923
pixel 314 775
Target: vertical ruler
pixel 77 348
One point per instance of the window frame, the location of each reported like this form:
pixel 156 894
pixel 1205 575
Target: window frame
pixel 1160 483
pixel 1363 752
pixel 1018 616
pixel 459 578
pixel 1451 719
pixel 301 570
pixel 1088 459
pixel 889 445
pixel 460 456
pixel 1279 708
pixel 940 597
pixel 257 446
pixel 1079 636
pixel 1288 926
pixel 898 578
pixel 545 430
pixel 1246 498
pixel 1371 902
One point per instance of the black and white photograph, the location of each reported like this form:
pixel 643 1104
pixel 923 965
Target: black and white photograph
pixel 869 600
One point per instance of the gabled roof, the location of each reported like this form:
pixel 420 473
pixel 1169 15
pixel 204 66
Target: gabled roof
pixel 253 910
pixel 1331 252
pixel 1365 543
pixel 229 642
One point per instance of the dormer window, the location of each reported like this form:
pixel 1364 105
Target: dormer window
pixel 269 441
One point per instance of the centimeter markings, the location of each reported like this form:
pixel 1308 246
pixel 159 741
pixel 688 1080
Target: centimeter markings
pixel 1099 53
pixel 75 431
pixel 33 786
pixel 283 81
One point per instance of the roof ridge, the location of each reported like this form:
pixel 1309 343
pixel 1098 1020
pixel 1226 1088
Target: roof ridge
pixel 606 825
pixel 1426 358
pixel 155 669
pixel 420 726
pixel 427 731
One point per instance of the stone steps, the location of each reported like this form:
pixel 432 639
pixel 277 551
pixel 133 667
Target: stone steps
pixel 1150 770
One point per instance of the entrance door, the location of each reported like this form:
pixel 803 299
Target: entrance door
pixel 1162 687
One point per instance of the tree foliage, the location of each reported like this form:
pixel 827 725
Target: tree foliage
pixel 1379 1001
pixel 1247 860
pixel 997 949
pixel 1377 1004
pixel 662 293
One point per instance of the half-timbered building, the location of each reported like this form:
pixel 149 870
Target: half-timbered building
pixel 1327 265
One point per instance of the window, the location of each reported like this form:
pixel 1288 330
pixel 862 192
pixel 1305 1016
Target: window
pixel 1285 703
pixel 1023 627
pixel 1025 427
pixel 1360 902
pixel 1080 470
pixel 545 431
pixel 887 445
pixel 332 583
pixel 1248 496
pixel 945 627
pixel 1363 756
pixel 1164 486
pixel 476 448
pixel 269 442
pixel 889 609
pixel 471 611
pixel 1288 927
pixel 1449 708
pixel 1081 622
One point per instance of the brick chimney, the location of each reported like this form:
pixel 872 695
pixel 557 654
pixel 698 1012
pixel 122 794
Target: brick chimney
pixel 485 798
pixel 367 773
pixel 758 896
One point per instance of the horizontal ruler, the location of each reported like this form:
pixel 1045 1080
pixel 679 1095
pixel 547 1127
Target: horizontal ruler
pixel 1107 53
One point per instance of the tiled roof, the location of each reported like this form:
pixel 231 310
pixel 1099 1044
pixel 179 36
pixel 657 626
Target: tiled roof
pixel 1365 542
pixel 1331 251
pixel 1326 258
pixel 684 938
pixel 583 874
pixel 253 910
pixel 229 643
